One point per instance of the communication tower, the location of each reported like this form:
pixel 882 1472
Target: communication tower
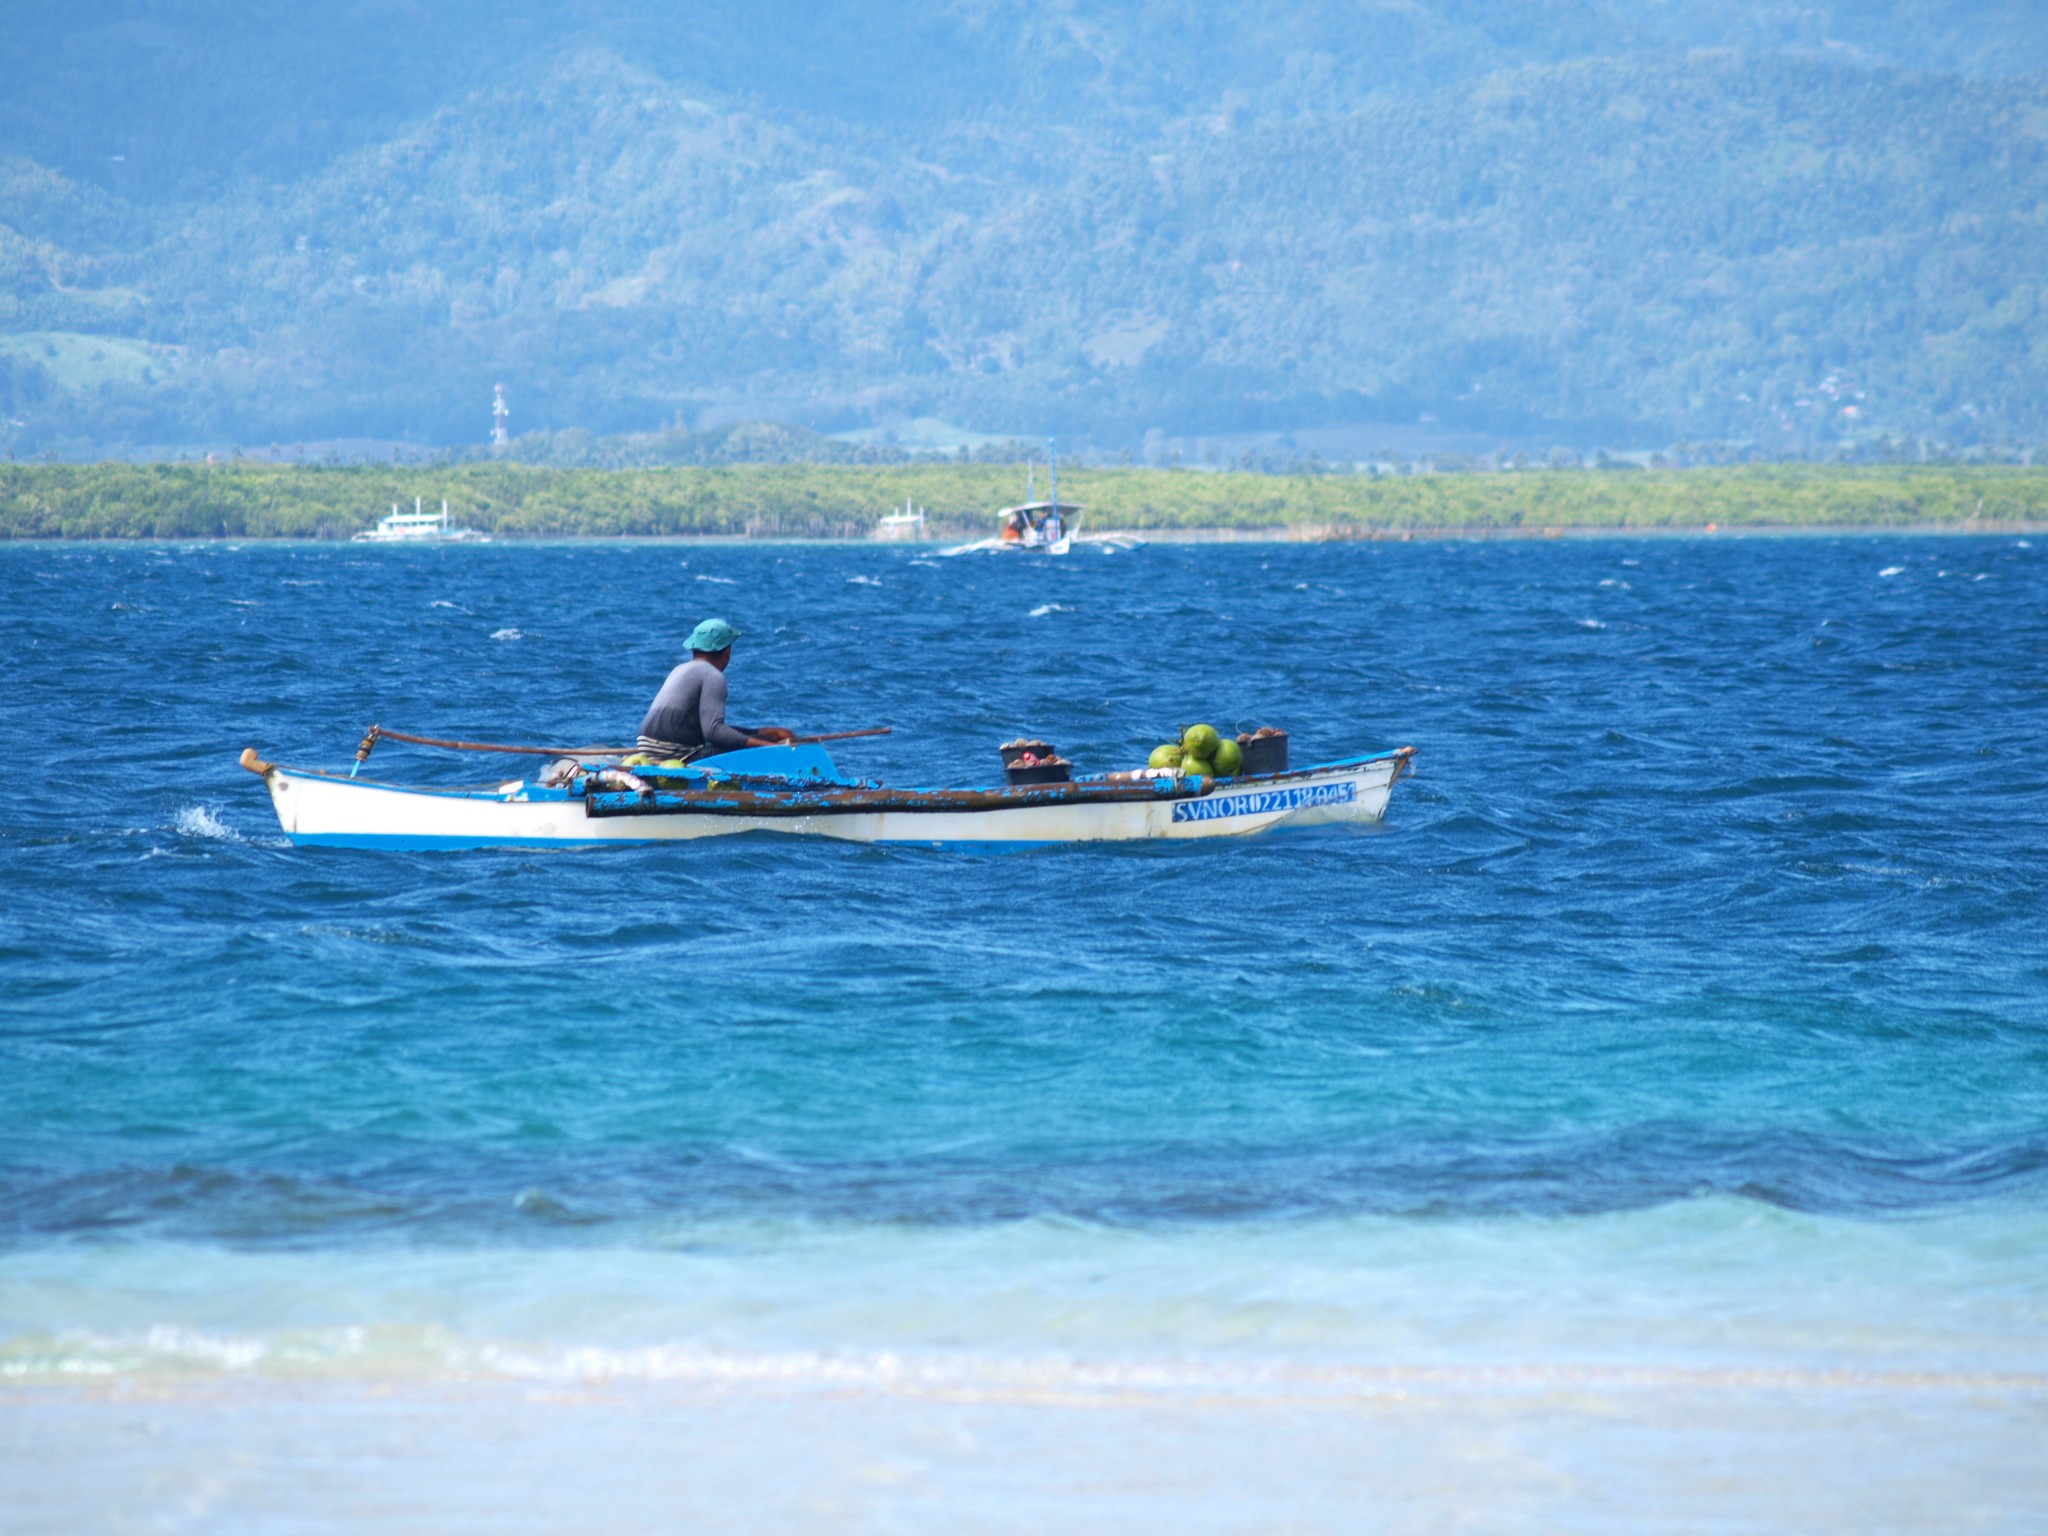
pixel 499 411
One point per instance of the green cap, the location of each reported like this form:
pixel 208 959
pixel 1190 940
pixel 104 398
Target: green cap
pixel 712 635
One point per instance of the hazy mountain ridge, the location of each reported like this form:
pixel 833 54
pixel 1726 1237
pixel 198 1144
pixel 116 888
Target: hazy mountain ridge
pixel 1596 245
pixel 191 92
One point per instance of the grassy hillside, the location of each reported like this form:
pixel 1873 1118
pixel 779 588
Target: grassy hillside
pixel 264 501
pixel 1550 222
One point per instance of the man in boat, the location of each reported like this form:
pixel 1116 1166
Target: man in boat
pixel 687 718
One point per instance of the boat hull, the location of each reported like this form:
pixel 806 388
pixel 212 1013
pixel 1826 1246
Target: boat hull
pixel 326 810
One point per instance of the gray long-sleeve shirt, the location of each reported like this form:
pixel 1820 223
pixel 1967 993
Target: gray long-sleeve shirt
pixel 690 710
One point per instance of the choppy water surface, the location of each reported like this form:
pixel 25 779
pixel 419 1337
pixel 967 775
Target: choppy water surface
pixel 1689 1009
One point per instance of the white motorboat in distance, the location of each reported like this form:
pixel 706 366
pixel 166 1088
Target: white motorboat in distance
pixel 418 527
pixel 1029 527
pixel 1043 527
pixel 799 791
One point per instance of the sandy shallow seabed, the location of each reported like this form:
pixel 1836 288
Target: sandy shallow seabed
pixel 997 1448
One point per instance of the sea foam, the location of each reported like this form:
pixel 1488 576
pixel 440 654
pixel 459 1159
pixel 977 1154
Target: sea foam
pixel 200 821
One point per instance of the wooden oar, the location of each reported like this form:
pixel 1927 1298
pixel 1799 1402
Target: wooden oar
pixel 873 730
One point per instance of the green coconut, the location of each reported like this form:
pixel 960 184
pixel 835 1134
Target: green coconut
pixel 1229 758
pixel 1192 766
pixel 1167 756
pixel 1200 741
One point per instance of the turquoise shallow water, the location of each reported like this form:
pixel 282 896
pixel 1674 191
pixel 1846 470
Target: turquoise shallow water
pixel 1690 1011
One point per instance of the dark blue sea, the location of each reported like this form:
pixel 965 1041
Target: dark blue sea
pixel 1688 1013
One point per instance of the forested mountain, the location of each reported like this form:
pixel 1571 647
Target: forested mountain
pixel 1559 221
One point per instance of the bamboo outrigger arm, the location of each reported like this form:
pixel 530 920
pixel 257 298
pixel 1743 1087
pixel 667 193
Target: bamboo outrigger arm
pixel 377 733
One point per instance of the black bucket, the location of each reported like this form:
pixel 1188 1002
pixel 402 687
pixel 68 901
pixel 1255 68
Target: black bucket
pixel 1015 749
pixel 1265 754
pixel 1057 771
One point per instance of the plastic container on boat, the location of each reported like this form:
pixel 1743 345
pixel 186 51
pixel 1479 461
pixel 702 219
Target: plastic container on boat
pixel 1055 770
pixel 1012 750
pixel 1264 754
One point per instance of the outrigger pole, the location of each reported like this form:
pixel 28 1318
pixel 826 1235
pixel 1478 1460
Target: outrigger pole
pixel 377 733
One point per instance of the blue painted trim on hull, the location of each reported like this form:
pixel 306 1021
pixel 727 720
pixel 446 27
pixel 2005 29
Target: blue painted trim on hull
pixel 399 844
pixel 403 844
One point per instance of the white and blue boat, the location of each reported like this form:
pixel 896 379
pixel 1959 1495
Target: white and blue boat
pixel 799 791
pixel 1044 527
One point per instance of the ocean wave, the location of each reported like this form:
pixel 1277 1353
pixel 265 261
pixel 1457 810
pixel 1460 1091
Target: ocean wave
pixel 170 1354
pixel 200 821
pixel 486 1195
pixel 1719 1289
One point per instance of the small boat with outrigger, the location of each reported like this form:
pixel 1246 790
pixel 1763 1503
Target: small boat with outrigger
pixel 598 796
pixel 1050 527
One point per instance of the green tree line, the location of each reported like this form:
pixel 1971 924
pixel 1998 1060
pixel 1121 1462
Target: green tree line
pixel 242 500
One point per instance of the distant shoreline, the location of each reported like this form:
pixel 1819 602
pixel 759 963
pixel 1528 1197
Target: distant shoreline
pixel 1283 535
pixel 1574 531
pixel 771 503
